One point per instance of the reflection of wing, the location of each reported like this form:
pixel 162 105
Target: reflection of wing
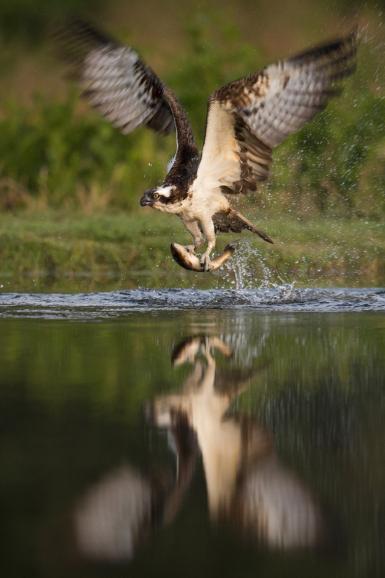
pixel 119 511
pixel 232 381
pixel 115 80
pixel 278 507
pixel 186 453
pixel 112 516
pixel 249 117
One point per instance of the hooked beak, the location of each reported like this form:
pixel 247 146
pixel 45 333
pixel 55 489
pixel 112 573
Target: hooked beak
pixel 146 200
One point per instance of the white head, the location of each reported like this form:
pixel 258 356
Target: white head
pixel 164 198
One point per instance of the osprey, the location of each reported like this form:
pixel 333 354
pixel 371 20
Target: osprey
pixel 246 120
pixel 247 485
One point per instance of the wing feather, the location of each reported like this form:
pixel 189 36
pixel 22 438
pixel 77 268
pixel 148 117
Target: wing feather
pixel 249 117
pixel 115 80
pixel 123 88
pixel 232 221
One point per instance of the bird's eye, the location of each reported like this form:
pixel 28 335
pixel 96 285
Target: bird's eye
pixel 156 195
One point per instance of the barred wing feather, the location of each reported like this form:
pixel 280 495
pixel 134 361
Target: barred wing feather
pixel 115 80
pixel 249 117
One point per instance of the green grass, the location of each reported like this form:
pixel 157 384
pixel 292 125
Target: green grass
pixel 117 250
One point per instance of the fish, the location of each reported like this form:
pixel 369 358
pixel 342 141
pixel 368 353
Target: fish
pixel 188 260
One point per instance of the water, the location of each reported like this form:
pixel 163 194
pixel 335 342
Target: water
pixel 169 433
pixel 115 303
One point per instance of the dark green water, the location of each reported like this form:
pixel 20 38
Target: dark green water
pixel 198 443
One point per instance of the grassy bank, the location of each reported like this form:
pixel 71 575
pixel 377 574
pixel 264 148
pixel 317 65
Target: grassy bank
pixel 75 251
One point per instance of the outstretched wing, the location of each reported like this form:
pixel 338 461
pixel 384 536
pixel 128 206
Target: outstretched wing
pixel 114 79
pixel 249 117
pixel 121 86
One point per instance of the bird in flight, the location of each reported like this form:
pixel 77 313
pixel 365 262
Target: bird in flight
pixel 246 120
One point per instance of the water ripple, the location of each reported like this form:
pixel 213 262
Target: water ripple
pixel 112 304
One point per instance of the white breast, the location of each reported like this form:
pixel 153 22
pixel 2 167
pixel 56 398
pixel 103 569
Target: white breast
pixel 206 201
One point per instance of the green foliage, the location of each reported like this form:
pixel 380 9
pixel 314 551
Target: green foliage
pixel 28 19
pixel 51 151
pixel 213 58
pixel 53 154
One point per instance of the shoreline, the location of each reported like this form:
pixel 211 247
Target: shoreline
pixel 117 249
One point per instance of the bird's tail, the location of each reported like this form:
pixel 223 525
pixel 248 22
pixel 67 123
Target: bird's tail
pixel 232 221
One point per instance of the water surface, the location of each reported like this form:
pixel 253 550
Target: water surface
pixel 116 303
pixel 200 440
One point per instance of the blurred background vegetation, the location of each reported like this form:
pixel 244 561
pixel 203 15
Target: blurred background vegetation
pixel 54 150
pixel 57 155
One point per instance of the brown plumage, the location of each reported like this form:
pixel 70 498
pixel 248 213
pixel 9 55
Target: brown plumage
pixel 265 108
pixel 247 484
pixel 246 120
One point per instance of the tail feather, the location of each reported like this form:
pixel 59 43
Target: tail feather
pixel 234 222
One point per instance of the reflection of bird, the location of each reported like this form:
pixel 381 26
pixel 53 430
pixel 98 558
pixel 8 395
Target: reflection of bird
pixel 119 512
pixel 246 483
pixel 113 516
pixel 246 120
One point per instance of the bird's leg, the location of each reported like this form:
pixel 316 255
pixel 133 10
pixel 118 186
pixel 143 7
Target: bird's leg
pixel 209 232
pixel 194 229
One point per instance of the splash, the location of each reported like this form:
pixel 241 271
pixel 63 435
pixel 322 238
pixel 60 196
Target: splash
pixel 249 269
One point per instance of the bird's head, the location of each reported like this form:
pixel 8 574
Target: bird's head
pixel 160 198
